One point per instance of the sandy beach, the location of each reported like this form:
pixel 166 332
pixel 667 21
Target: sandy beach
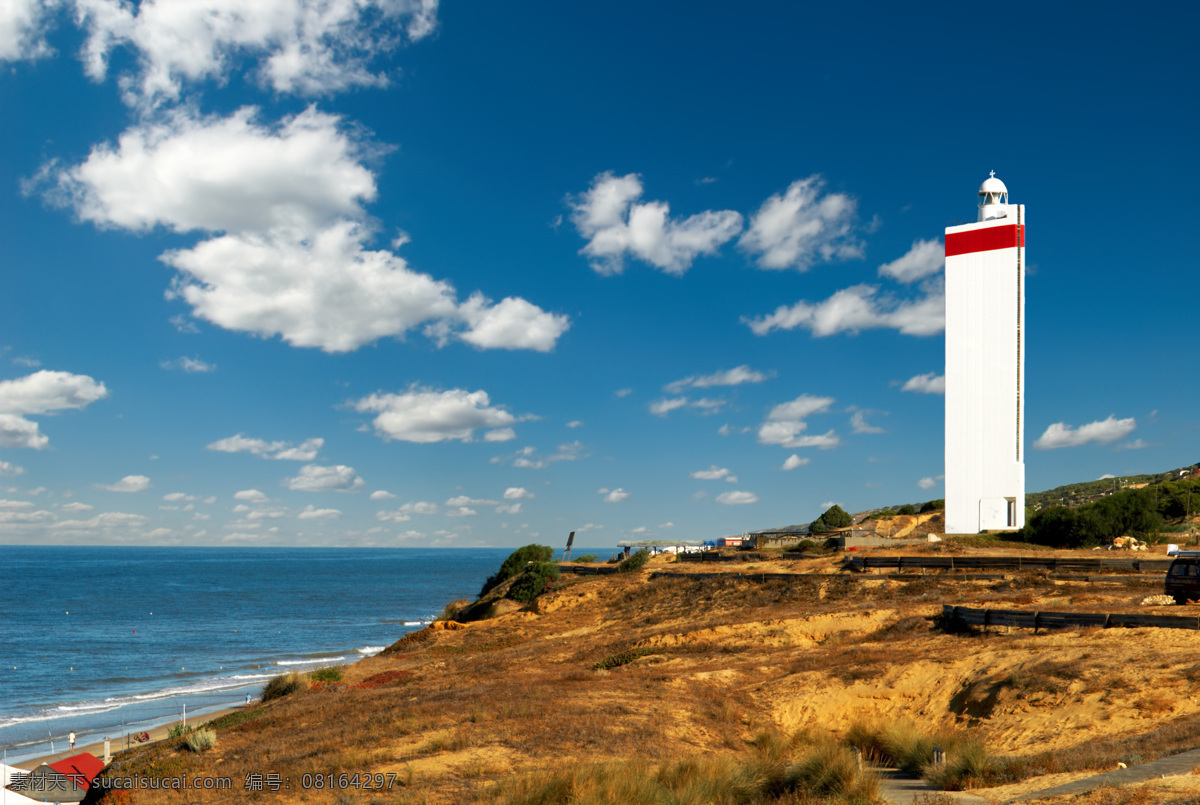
pixel 97 749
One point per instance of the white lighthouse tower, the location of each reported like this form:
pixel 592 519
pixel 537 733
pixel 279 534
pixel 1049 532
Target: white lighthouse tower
pixel 985 366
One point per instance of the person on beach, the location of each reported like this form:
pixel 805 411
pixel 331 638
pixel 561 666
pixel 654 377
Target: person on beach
pixel 71 740
pixel 247 699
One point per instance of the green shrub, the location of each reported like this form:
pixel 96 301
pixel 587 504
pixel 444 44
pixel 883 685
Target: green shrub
pixel 532 581
pixel 624 658
pixel 635 562
pixel 933 505
pixel 178 731
pixel 834 517
pixel 331 674
pixel 284 685
pixel 515 563
pixel 586 559
pixel 907 509
pixel 201 740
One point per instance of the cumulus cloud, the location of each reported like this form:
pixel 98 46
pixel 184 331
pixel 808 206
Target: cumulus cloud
pixel 793 461
pixel 7 468
pixel 859 424
pixel 786 423
pixel 75 507
pixel 289 256
pixel 613 495
pixel 925 258
pixel 424 416
pixel 517 493
pixel 616 225
pixel 713 473
pixel 1135 444
pixel 509 508
pixel 575 423
pixel 500 435
pixel 252 495
pixel 305 451
pixel 130 483
pixel 931 482
pixel 926 384
pixel 466 500
pixel 190 365
pixel 1108 430
pixel 298 46
pixel 729 377
pixel 314 478
pixel 311 513
pixel 800 227
pixel 381 494
pixel 529 457
pixel 404 513
pixel 23 26
pixel 706 405
pixel 737 498
pixel 861 307
pixel 43 392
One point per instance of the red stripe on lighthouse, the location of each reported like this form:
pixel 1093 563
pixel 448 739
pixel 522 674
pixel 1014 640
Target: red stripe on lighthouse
pixel 985 240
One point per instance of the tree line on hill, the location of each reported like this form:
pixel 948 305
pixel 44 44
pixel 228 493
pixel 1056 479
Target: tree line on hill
pixel 1140 513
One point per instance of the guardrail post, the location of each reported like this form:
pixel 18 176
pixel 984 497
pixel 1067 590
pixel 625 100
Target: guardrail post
pixel 939 757
pixel 858 761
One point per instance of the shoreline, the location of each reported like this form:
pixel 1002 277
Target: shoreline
pixel 157 734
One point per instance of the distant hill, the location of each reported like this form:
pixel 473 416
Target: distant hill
pixel 1073 495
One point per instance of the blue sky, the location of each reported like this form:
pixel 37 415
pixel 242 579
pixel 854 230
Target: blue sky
pixel 400 273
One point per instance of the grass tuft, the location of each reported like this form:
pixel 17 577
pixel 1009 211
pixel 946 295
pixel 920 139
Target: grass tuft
pixel 201 740
pixel 284 685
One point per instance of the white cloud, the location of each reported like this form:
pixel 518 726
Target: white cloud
pixel 190 365
pixel 252 495
pixel 622 392
pixel 730 377
pixel 925 258
pixel 793 461
pixel 586 527
pixel 43 392
pixel 786 422
pixel 289 256
pixel 424 416
pixel 509 508
pixel 380 494
pixel 862 307
pixel 800 227
pixel 299 46
pixel 931 482
pixel 7 468
pixel 130 483
pixel 462 511
pixel 500 435
pixel 513 323
pixel 1135 444
pixel 23 28
pixel 859 424
pixel 76 508
pixel 15 504
pixel 517 493
pixel 1061 434
pixel 926 384
pixel 311 513
pixel 664 407
pixel 175 497
pixel 31 363
pixel 105 521
pixel 713 473
pixel 737 498
pixel 575 423
pixel 314 478
pixel 608 215
pixel 529 458
pixel 614 495
pixel 305 451
pixel 464 500
pixel 405 512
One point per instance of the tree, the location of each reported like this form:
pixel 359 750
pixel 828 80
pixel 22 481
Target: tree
pixel 515 563
pixel 836 517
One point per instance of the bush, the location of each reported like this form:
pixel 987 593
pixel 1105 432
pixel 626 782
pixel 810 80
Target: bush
pixel 832 770
pixel 515 563
pixel 635 562
pixel 834 517
pixel 178 731
pixel 451 611
pixel 907 509
pixel 201 740
pixel 331 674
pixel 624 658
pixel 967 766
pixel 530 584
pixel 933 505
pixel 586 559
pixel 284 685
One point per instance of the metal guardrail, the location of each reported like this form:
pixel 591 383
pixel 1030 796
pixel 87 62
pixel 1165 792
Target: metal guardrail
pixel 1008 563
pixel 1060 620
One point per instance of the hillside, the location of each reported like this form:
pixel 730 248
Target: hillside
pixel 667 679
pixel 1089 491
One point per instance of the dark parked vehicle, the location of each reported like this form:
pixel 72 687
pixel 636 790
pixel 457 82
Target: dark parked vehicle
pixel 1183 578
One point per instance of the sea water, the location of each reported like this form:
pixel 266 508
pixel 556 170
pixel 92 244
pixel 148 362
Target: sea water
pixel 105 641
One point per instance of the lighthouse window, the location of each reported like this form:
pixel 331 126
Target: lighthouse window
pixel 1012 512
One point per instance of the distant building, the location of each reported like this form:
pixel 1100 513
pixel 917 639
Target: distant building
pixel 985 366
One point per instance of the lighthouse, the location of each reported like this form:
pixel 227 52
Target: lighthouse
pixel 985 366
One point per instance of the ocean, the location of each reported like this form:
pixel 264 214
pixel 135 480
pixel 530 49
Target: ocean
pixel 109 640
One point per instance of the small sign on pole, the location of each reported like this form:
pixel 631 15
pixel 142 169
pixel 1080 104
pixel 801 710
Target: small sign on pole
pixel 567 552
